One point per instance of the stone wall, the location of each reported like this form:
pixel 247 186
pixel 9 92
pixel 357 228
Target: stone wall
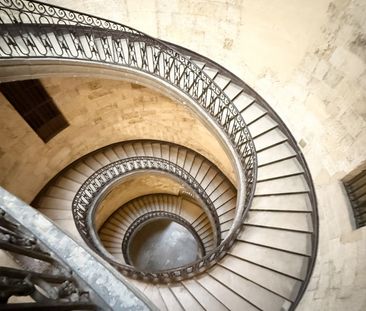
pixel 308 60
pixel 100 112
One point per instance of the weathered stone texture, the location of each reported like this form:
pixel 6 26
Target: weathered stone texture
pixel 100 112
pixel 308 59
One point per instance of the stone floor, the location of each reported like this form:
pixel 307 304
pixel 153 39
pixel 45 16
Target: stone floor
pixel 163 244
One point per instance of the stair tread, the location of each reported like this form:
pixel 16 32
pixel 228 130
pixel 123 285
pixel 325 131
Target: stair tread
pixel 269 138
pixel 169 299
pixel 289 264
pixel 285 220
pixel 282 185
pixel 275 153
pixel 227 297
pixel 205 298
pixel 256 295
pixel 291 241
pixel 278 283
pixel 185 298
pixel 298 202
pixel 261 126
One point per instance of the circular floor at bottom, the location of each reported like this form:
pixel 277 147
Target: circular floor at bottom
pixel 163 244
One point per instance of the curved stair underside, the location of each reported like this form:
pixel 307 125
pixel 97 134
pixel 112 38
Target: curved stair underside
pixel 270 263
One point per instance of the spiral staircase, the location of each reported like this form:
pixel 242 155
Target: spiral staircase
pixel 257 236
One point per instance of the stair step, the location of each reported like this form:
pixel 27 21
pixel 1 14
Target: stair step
pixel 227 216
pixel 275 282
pixel 111 155
pixel 101 158
pixel 252 113
pixel 286 167
pixel 93 164
pixel 165 151
pixel 282 185
pixel 221 81
pixel 139 148
pixel 272 137
pixel 296 242
pixel 283 220
pixel 289 264
pixel 156 147
pixel 170 301
pixel 173 156
pixel 296 202
pixel 54 203
pixel 243 101
pixel 226 296
pixel 59 193
pixel 57 214
pixel 211 72
pixel 185 298
pixel 107 233
pixel 226 225
pixel 152 291
pixel 67 184
pixel 205 298
pixel 233 90
pixel 262 125
pixel 275 153
pixel 119 151
pixel 252 293
pixel 75 176
pixel 130 151
pixel 196 166
pixel 226 206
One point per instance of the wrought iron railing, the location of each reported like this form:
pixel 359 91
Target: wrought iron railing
pixel 34 30
pixel 53 289
pixel 291 141
pixel 156 215
pixel 66 34
pixel 84 204
pixel 86 197
pixel 47 281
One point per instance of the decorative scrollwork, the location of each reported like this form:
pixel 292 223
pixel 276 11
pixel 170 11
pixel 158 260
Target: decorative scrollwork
pixel 84 199
pixel 31 30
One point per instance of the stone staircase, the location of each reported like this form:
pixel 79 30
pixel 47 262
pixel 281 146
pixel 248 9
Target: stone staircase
pixel 268 263
pixel 271 260
pixel 113 231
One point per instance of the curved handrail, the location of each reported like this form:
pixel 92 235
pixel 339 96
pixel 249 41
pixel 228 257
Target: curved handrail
pixel 143 219
pixel 40 30
pixel 291 140
pixel 86 198
pixel 33 235
pixel 88 193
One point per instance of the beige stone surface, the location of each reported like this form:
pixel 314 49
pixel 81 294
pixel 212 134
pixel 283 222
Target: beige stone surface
pixel 132 187
pixel 100 112
pixel 307 59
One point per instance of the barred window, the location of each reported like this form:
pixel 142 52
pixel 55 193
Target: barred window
pixel 37 108
pixel 356 190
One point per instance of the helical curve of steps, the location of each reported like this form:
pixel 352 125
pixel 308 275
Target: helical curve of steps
pixel 117 230
pixel 269 263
